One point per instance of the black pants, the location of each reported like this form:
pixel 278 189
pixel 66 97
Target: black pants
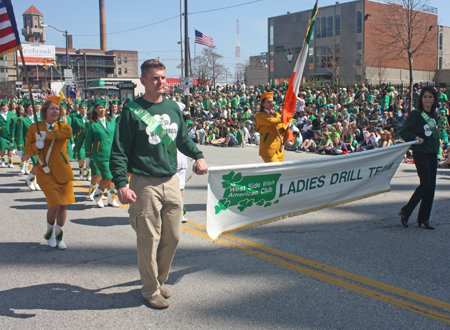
pixel 426 165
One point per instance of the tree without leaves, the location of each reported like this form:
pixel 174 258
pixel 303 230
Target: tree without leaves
pixel 334 65
pixel 206 67
pixel 377 69
pixel 406 30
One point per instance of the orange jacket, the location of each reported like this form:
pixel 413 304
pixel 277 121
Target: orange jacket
pixel 59 160
pixel 269 141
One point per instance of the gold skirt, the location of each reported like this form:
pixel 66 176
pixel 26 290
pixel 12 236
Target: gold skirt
pixel 58 193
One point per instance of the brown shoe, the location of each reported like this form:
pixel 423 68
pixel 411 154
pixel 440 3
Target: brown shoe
pixel 157 302
pixel 165 292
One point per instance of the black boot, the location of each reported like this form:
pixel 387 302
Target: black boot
pixel 426 224
pixel 404 218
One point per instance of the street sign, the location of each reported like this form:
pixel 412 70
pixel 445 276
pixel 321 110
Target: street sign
pixel 68 73
pixel 187 82
pixel 68 81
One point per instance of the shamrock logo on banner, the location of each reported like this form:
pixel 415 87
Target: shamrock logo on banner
pixel 247 191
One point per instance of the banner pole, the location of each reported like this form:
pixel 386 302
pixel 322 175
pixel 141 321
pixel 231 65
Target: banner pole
pixel 32 104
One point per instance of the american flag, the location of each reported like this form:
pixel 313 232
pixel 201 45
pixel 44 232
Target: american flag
pixel 203 39
pixel 9 36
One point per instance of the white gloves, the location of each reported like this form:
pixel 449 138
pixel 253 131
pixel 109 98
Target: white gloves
pixel 87 161
pixel 40 144
pixel 41 137
pixel 73 146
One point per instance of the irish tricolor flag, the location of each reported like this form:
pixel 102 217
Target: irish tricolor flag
pixel 294 85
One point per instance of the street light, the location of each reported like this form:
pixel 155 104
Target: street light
pixel 67 48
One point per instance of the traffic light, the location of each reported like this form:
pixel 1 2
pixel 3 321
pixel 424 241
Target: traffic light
pixel 54 62
pixel 45 63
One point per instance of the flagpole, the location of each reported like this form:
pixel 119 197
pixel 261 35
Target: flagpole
pixel 195 48
pixel 32 104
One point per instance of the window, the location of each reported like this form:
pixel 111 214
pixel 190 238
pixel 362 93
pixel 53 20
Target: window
pixel 119 60
pixel 35 26
pixel 330 26
pixel 120 71
pixel 271 35
pixel 28 17
pixel 359 21
pixel 440 63
pixel 317 27
pixel 90 70
pixel 98 70
pixel 125 60
pixel 337 25
pixel 125 70
pixel 358 53
pixel 441 40
pixel 323 34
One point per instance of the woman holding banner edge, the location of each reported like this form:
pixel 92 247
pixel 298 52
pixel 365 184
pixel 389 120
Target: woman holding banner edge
pixel 421 126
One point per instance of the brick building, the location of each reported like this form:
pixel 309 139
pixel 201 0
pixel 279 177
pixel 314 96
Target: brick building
pixel 348 44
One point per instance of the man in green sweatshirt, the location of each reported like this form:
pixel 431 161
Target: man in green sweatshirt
pixel 145 148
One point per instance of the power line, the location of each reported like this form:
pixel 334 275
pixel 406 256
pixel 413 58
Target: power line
pixel 168 19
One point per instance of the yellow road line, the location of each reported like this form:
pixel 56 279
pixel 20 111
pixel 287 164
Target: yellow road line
pixel 332 280
pixel 326 278
pixel 357 278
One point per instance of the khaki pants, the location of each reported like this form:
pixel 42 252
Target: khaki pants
pixel 156 217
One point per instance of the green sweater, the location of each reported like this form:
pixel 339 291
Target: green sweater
pixel 414 126
pixel 138 150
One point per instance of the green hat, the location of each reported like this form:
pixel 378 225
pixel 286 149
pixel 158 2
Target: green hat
pixel 91 108
pixel 78 102
pixel 100 102
pixel 63 104
pixel 4 102
pixel 14 101
pixel 84 104
pixel 127 100
pixel 26 103
pixel 114 102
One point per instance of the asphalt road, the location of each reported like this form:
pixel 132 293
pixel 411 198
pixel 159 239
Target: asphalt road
pixel 352 266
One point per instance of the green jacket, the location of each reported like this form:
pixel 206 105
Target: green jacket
pixel 13 129
pixel 22 130
pixel 415 126
pixel 138 150
pixel 99 140
pixel 5 131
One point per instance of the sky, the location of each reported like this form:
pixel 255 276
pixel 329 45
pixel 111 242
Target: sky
pixel 155 25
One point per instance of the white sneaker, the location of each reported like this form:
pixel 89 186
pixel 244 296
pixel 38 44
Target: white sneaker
pixel 184 220
pixel 11 165
pixel 59 238
pixel 22 169
pixel 3 164
pixel 37 187
pixel 50 235
pixel 30 184
pixel 112 198
pixel 98 198
pixel 81 174
pixel 92 192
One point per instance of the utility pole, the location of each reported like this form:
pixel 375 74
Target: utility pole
pixel 181 42
pixel 186 55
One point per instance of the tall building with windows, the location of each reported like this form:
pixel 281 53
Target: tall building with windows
pixel 347 45
pixel 32 29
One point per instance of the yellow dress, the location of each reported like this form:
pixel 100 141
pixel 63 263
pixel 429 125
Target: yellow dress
pixel 56 185
pixel 269 141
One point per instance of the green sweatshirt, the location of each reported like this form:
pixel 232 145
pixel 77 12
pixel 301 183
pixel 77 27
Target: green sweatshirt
pixel 138 150
pixel 415 126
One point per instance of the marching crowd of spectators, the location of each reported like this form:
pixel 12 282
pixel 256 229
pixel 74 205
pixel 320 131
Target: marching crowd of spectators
pixel 326 120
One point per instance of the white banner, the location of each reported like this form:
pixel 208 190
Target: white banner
pixel 35 54
pixel 240 197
